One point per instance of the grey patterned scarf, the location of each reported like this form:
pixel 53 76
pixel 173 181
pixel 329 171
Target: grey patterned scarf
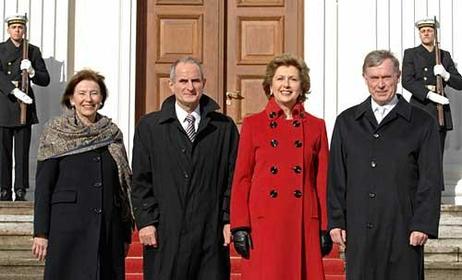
pixel 67 135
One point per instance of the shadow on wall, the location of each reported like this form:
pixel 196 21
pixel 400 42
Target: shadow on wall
pixel 48 106
pixel 453 149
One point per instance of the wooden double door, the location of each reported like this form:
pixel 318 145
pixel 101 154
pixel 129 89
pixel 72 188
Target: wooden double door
pixel 233 39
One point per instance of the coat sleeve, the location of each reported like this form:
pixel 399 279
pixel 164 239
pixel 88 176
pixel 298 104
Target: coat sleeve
pixel 337 180
pixel 428 195
pixel 42 77
pixel 321 176
pixel 45 180
pixel 409 80
pixel 242 180
pixel 145 204
pixel 455 80
pixel 233 144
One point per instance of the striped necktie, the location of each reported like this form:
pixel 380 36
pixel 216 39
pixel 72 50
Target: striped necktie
pixel 190 129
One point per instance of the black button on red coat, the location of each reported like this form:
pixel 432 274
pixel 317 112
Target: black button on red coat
pixel 297 169
pixel 298 193
pixel 274 170
pixel 273 193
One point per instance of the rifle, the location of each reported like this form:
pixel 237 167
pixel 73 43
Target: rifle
pixel 439 79
pixel 24 76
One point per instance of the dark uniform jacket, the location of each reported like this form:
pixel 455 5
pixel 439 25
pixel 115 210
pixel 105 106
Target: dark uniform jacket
pixel 418 73
pixel 183 189
pixel 75 208
pixel 10 60
pixel 384 182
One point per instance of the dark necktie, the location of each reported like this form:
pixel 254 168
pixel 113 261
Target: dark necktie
pixel 190 129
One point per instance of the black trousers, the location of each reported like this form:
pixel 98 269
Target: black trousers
pixel 20 136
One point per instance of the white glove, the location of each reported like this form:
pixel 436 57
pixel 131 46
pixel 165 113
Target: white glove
pixel 24 98
pixel 438 69
pixel 27 65
pixel 435 97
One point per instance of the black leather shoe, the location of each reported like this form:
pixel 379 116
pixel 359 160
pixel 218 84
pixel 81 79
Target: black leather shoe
pixel 6 195
pixel 20 195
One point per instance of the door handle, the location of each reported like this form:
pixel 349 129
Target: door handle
pixel 230 95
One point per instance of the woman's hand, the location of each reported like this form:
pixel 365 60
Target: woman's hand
pixel 40 247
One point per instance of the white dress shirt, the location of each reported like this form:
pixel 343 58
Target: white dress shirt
pixel 381 112
pixel 181 115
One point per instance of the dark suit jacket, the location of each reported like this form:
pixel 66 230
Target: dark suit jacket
pixel 418 72
pixel 10 60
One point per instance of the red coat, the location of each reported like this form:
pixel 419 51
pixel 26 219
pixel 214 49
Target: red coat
pixel 279 192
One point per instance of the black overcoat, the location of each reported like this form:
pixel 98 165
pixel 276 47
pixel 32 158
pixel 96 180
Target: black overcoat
pixel 75 209
pixel 10 60
pixel 384 182
pixel 183 189
pixel 418 73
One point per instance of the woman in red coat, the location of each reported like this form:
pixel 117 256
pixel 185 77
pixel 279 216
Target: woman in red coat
pixel 278 201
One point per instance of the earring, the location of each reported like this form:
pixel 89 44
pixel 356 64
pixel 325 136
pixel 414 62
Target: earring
pixel 271 92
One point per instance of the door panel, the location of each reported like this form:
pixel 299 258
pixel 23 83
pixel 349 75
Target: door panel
pixel 168 30
pixel 234 39
pixel 258 30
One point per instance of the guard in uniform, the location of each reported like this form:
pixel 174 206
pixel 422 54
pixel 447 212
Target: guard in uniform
pixel 11 131
pixel 420 71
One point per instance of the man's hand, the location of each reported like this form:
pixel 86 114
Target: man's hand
pixel 227 234
pixel 418 238
pixel 437 98
pixel 27 65
pixel 39 248
pixel 242 243
pixel 21 96
pixel 338 236
pixel 439 69
pixel 148 236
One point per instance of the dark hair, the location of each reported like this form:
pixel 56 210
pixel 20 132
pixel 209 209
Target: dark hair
pixel 82 75
pixel 287 60
pixel 185 59
pixel 377 57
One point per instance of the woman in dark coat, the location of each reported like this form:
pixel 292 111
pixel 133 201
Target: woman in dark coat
pixel 83 219
pixel 278 200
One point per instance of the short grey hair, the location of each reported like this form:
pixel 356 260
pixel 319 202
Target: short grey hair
pixel 377 57
pixel 185 59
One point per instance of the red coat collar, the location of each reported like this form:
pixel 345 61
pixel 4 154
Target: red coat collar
pixel 273 111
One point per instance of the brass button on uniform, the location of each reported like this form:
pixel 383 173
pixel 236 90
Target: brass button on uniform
pixel 373 164
pixel 298 143
pixel 298 193
pixel 9 63
pixel 9 72
pixel 376 135
pixel 97 185
pixel 425 78
pixel 273 124
pixel 274 142
pixel 185 175
pixel 274 170
pixel 371 195
pixel 97 210
pixel 297 169
pixel 425 69
pixel 273 193
pixel 296 123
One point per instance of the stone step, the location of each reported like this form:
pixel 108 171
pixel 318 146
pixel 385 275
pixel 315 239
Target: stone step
pixel 27 266
pixel 15 253
pixel 450 231
pixel 443 253
pixel 443 270
pixel 16 208
pixel 21 276
pixel 16 241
